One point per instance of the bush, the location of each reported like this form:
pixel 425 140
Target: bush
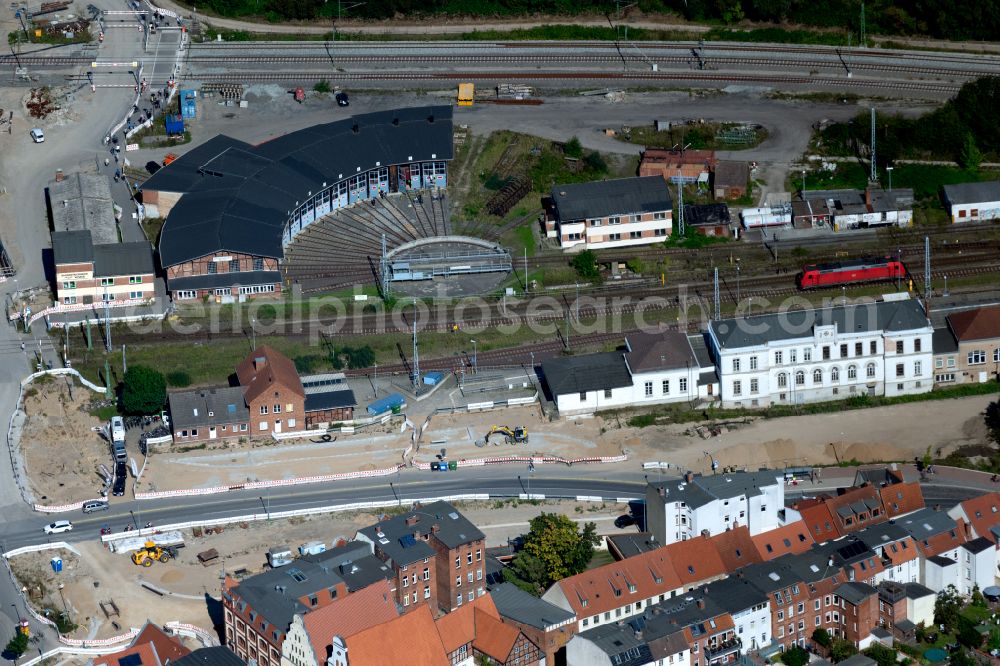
pixel 178 378
pixel 307 364
pixel 323 86
pixel 822 637
pixel 795 656
pixel 17 646
pixel 144 390
pixel 573 148
pixel 585 265
pixel 841 649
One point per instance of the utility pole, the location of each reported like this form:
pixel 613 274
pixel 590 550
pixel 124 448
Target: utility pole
pixel 526 270
pixel 385 271
pixel 416 351
pixel 107 322
pixel 718 308
pixel 680 205
pixel 927 267
pixel 864 36
pixel 874 173
pixel 124 365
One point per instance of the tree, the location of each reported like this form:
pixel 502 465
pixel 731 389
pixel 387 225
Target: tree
pixel 883 656
pixel 967 634
pixel 585 265
pixel 795 656
pixel 946 608
pixel 144 390
pixel 531 571
pixel 562 548
pixel 17 646
pixel 822 637
pixel 841 649
pixel 961 657
pixel 970 157
pixel 978 600
pixel 573 148
pixel 595 162
pixel 992 419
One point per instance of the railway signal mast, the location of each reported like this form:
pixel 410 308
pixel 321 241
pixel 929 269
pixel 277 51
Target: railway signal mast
pixel 680 204
pixel 874 174
pixel 715 284
pixel 927 267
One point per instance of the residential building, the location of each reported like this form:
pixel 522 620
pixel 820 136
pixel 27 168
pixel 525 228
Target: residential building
pixel 411 639
pixel 939 539
pixel 611 213
pixel 980 515
pixel 972 202
pixel 475 632
pixel 311 636
pixel 793 538
pixel 545 625
pixel 645 641
pixel 86 273
pixel 904 606
pixel 898 553
pixel 708 219
pixel 698 504
pixel 859 614
pixel 749 607
pixel 977 565
pixel 258 611
pixel 800 356
pixel 977 334
pixel 678 166
pixel 436 553
pixel 150 647
pixel 738 548
pixel 731 179
pixel 217 655
pixel 629 544
pixel 843 210
pixel 652 368
pixel 945 356
pixel 270 399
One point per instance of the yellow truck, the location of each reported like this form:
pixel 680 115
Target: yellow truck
pixel 466 94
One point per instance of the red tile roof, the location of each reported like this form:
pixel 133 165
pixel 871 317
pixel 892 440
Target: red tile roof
pixel 901 498
pixel 823 521
pixel 792 538
pixel 263 368
pixel 348 615
pixel 458 627
pixel 152 644
pixel 695 560
pixel 410 639
pixel 981 513
pixel 494 638
pixel 978 324
pixel 944 541
pixel 736 548
pixel 900 551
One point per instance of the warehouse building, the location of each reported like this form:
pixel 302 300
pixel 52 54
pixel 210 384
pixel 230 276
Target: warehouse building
pixel 708 219
pixel 843 210
pixel 730 179
pixel 611 213
pixel 972 202
pixel 232 209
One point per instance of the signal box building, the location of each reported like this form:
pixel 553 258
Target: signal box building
pixel 881 348
pixel 232 208
pixel 611 213
pixel 972 202
pixel 88 273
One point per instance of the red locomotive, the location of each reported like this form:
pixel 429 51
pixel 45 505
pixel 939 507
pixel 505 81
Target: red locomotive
pixel 847 272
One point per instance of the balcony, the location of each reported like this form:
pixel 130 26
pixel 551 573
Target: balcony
pixel 723 649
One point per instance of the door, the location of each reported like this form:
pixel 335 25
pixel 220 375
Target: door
pixel 277 425
pixel 212 434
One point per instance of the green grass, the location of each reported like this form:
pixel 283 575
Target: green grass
pixel 600 558
pixel 700 136
pixel 927 179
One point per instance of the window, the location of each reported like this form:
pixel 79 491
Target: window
pixel 291 423
pixel 834 374
pixel 194 432
pixel 858 349
pixel 659 216
pixel 470 577
pixel 607 394
pixel 649 389
pixel 899 346
pixel 243 427
pixel 660 232
pixel 852 372
pixel 135 294
pixel 458 599
pixel 479 555
pixel 873 347
pixel 277 408
pixel 213 267
pixel 977 357
pixel 782 380
pixel 826 352
pixel 800 378
pixel 635 234
pixel 595 223
pixel 917 344
pixel 900 369
pixel 458 561
pixel 458 581
pixel 736 365
pixel 258 263
pixel 583 396
pixel 614 220
pixel 263 409
pixel 69 300
pixel 778 357
pixel 185 294
pixel 792 356
pixel 870 371
pixel 917 368
pixel 665 387
pixel 427 592
pixel 753 362
pixel 996 355
pixel 754 386
pixel 107 282
pixel 263 426
pixel 234 266
pixel 817 376
pixel 807 354
pixel 468 557
pixel 427 574
pixel 135 279
pixel 69 285
pixel 737 387
pixel 682 384
pixel 843 351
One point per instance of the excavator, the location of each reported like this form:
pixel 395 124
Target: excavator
pixel 515 435
pixel 150 552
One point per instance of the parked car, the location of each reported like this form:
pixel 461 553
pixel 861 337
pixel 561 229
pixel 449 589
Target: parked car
pixel 624 521
pixel 342 99
pixel 93 506
pixel 58 527
pixel 37 135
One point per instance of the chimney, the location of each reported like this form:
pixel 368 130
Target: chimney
pixel 662 491
pixel 704 590
pixel 689 477
pixel 59 175
pixel 868 198
pixel 701 604
pixel 435 529
pixel 259 362
pixel 412 520
pixel 416 534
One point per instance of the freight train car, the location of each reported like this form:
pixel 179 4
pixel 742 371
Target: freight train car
pixel 849 272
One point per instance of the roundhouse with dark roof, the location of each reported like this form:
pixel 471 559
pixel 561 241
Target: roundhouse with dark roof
pixel 232 209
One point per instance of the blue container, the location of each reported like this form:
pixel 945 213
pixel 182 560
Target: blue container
pixel 57 564
pixel 174 124
pixel 433 378
pixel 389 403
pixel 188 104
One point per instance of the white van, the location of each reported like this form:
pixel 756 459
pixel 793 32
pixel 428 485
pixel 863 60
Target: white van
pixel 117 429
pixel 37 135
pixel 279 557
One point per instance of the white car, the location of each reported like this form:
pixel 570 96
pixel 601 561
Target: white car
pixel 37 135
pixel 58 527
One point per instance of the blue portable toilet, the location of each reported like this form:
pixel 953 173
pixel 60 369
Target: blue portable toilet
pixel 57 564
pixel 188 104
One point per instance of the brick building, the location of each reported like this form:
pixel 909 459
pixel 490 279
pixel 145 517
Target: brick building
pixel 88 273
pixel 439 547
pixel 269 398
pixel 673 166
pixel 545 625
pixel 476 631
pixel 859 614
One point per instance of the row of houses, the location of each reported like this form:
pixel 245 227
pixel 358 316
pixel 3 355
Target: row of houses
pixel 888 347
pixel 725 569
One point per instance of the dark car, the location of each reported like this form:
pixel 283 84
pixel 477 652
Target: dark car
pixel 342 99
pixel 120 477
pixel 152 166
pixel 624 521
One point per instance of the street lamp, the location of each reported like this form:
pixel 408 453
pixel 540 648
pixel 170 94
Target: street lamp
pixel 737 281
pixel 475 358
pixel 803 184
pixel 888 170
pixel 267 504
